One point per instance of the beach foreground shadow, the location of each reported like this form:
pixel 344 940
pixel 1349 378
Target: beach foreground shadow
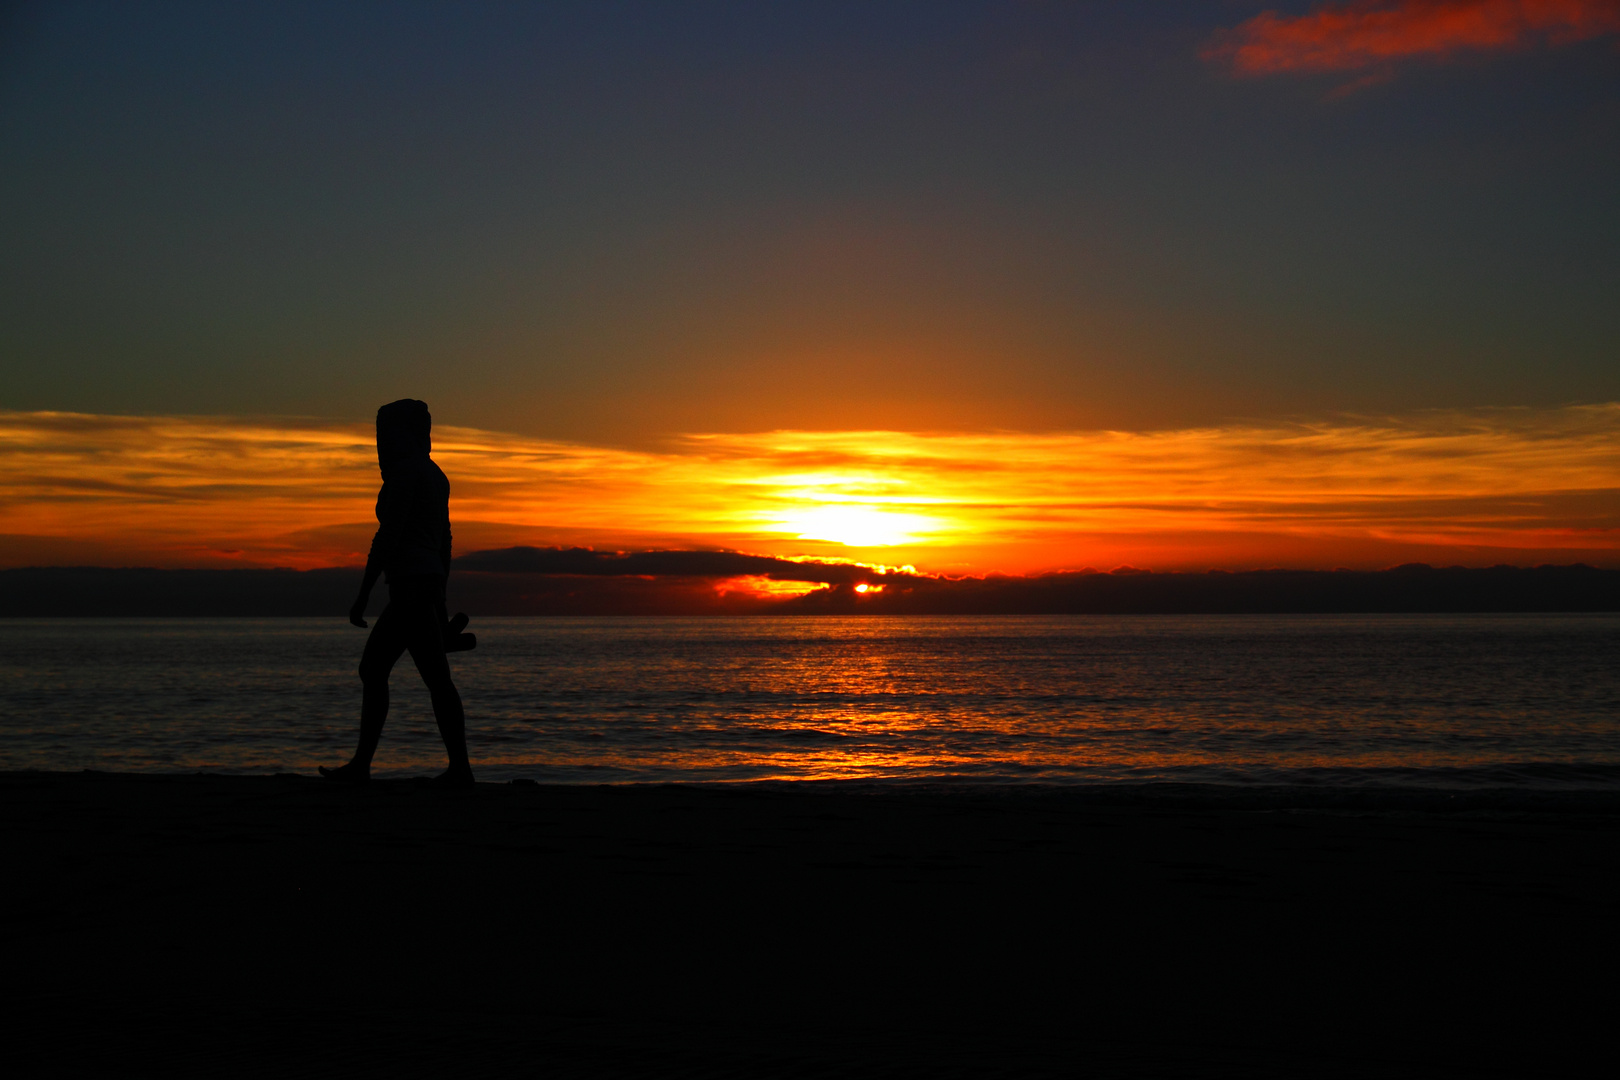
pixel 265 926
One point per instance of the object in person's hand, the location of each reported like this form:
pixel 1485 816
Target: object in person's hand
pixel 454 639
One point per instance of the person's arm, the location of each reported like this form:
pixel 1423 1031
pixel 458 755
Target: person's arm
pixel 357 613
pixel 444 544
pixel 382 544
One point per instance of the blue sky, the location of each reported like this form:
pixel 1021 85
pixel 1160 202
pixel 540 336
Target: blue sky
pixel 616 222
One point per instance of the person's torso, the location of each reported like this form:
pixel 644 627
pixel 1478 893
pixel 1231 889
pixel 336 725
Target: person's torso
pixel 414 507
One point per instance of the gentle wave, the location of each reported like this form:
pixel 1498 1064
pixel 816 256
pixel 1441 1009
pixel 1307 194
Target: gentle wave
pixel 1446 702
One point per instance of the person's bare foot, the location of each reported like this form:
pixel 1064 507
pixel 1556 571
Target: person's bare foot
pixel 346 774
pixel 454 777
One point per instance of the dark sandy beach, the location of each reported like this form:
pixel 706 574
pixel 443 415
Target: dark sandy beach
pixel 277 925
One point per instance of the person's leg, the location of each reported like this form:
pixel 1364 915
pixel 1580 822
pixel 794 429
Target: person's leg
pixel 447 710
pixel 425 639
pixel 383 648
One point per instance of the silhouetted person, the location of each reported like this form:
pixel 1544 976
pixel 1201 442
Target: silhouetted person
pixel 412 547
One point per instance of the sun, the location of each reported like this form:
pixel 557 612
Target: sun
pixel 856 526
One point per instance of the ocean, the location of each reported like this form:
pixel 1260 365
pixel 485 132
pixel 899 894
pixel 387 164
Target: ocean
pixel 1466 702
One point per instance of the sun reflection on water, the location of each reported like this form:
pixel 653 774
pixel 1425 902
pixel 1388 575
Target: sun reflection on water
pixel 854 699
pixel 1476 699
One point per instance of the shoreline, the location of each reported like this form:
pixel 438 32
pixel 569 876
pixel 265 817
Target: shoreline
pixel 279 923
pixel 1175 794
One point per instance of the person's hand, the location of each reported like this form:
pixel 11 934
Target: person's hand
pixel 357 614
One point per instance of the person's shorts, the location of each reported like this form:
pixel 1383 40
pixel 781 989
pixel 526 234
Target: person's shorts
pixel 414 618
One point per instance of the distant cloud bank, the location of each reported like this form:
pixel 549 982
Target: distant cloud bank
pixel 1375 34
pixel 584 562
pixel 94 591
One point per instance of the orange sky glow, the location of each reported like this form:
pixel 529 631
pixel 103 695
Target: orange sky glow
pixel 1476 488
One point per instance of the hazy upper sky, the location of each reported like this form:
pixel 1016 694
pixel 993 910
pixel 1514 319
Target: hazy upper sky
pixel 615 222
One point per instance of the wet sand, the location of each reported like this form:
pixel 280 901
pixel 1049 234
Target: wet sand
pixel 273 925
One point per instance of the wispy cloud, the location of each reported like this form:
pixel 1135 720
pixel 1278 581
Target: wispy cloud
pixel 1508 484
pixel 585 562
pixel 1373 35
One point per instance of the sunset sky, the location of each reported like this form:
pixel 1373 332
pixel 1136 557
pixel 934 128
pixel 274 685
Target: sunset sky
pixel 970 287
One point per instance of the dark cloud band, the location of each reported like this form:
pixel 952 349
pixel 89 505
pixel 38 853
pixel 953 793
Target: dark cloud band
pixel 48 591
pixel 586 562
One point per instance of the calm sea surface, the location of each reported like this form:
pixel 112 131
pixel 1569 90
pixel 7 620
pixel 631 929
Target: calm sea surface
pixel 1467 701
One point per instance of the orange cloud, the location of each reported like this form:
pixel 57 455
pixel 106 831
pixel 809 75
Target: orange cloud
pixel 1376 33
pixel 1512 485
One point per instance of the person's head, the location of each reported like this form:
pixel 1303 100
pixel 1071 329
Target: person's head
pixel 404 430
